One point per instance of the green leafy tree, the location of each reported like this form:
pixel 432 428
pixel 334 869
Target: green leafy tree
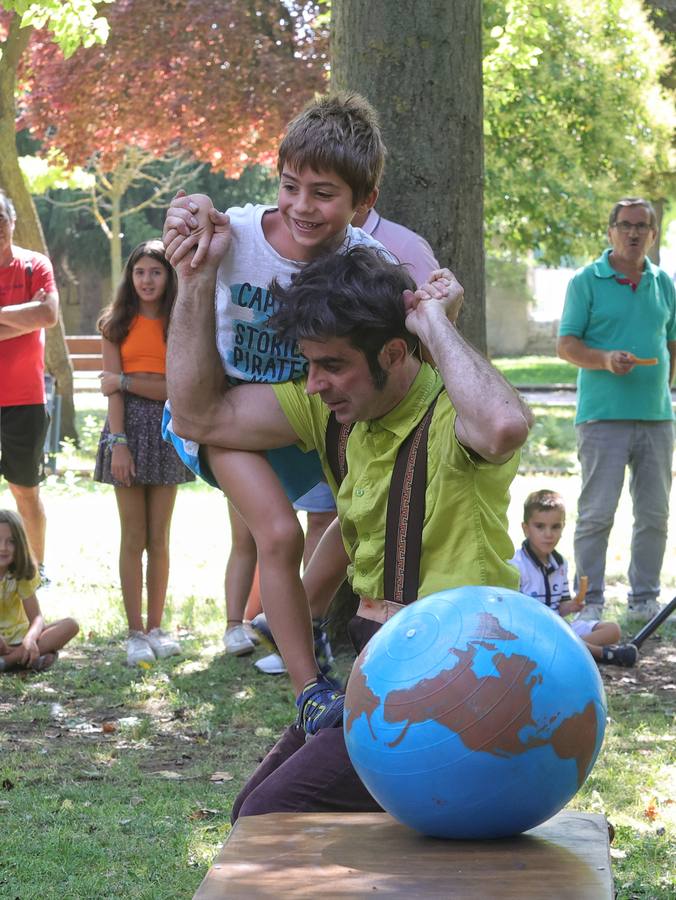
pixel 68 24
pixel 574 117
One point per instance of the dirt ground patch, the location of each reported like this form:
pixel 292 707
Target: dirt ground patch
pixel 654 673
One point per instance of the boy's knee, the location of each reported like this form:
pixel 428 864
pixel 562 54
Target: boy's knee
pixel 281 536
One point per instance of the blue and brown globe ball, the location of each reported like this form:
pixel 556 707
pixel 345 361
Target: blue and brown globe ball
pixel 474 713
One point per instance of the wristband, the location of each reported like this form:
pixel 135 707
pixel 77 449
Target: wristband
pixel 125 382
pixel 119 438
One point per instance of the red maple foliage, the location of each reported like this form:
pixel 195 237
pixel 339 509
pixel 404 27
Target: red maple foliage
pixel 217 79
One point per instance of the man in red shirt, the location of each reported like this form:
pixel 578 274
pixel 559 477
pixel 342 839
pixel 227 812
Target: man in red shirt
pixel 29 303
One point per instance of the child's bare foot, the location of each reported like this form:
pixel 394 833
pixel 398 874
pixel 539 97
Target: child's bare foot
pixel 43 662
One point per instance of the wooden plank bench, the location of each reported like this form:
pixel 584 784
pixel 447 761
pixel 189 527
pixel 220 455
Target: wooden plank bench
pixel 85 352
pixel 356 855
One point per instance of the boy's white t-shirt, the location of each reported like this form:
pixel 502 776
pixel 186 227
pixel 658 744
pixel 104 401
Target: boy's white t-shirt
pixel 250 350
pixel 547 584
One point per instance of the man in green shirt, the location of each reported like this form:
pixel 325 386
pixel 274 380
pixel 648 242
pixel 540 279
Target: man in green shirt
pixel 359 322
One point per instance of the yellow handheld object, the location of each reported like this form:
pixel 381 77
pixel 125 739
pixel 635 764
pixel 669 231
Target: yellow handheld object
pixel 582 592
pixel 637 361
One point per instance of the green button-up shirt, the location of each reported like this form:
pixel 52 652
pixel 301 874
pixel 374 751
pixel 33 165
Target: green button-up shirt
pixel 465 539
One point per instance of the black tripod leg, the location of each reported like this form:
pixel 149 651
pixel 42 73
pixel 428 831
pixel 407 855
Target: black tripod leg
pixel 653 624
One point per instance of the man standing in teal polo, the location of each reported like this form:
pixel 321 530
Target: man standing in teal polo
pixel 619 327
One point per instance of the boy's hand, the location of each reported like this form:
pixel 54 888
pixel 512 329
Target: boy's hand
pixel 192 223
pixel 578 600
pixel 4 647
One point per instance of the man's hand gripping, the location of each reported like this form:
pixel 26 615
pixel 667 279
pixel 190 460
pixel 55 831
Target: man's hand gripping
pixel 442 295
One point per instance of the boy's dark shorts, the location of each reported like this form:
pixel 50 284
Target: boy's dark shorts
pixel 22 438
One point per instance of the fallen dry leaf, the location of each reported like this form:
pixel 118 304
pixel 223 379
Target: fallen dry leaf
pixel 650 812
pixel 109 727
pixel 204 813
pixel 221 776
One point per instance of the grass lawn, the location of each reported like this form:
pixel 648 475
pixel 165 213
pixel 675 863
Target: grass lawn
pixel 524 370
pixel 119 783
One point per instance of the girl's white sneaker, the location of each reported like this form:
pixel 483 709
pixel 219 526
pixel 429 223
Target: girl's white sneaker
pixel 162 644
pixel 139 649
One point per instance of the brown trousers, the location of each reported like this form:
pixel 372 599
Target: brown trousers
pixel 309 775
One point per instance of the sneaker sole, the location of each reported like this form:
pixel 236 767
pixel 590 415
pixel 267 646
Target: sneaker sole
pixel 278 670
pixel 240 651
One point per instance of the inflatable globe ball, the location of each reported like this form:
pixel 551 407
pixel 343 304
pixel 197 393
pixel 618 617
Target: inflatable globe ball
pixel 474 713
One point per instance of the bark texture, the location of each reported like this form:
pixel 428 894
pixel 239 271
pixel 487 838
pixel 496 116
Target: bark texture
pixel 419 63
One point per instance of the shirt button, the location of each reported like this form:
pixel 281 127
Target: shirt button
pixel 359 492
pixel 367 537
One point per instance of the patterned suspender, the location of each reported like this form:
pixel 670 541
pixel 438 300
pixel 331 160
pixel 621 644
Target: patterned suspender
pixel 335 441
pixel 405 503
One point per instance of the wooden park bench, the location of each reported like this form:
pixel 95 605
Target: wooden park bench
pixel 356 855
pixel 84 351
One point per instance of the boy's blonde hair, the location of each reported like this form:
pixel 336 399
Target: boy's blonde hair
pixel 23 565
pixel 338 133
pixel 542 501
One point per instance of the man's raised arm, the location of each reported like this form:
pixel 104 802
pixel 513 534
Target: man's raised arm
pixel 492 419
pixel 203 408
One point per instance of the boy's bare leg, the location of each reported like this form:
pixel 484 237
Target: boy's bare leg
pixel 249 482
pixel 604 635
pixel 240 568
pixel 317 523
pixel 326 571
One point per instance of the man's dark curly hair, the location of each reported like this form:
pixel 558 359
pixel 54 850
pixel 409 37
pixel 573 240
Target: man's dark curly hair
pixel 356 295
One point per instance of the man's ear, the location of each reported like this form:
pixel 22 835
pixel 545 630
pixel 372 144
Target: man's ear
pixel 524 526
pixel 393 353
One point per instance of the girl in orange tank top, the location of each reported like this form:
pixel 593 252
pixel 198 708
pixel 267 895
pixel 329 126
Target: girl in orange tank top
pixel 132 456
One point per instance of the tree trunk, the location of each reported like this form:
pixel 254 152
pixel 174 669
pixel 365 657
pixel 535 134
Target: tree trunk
pixel 654 252
pixel 115 240
pixel 419 63
pixel 28 231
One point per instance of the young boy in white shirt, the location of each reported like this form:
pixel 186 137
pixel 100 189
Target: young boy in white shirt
pixel 544 575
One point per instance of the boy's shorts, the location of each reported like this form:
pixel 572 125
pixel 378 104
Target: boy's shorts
pixel 298 472
pixel 22 440
pixel 583 627
pixel 318 500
